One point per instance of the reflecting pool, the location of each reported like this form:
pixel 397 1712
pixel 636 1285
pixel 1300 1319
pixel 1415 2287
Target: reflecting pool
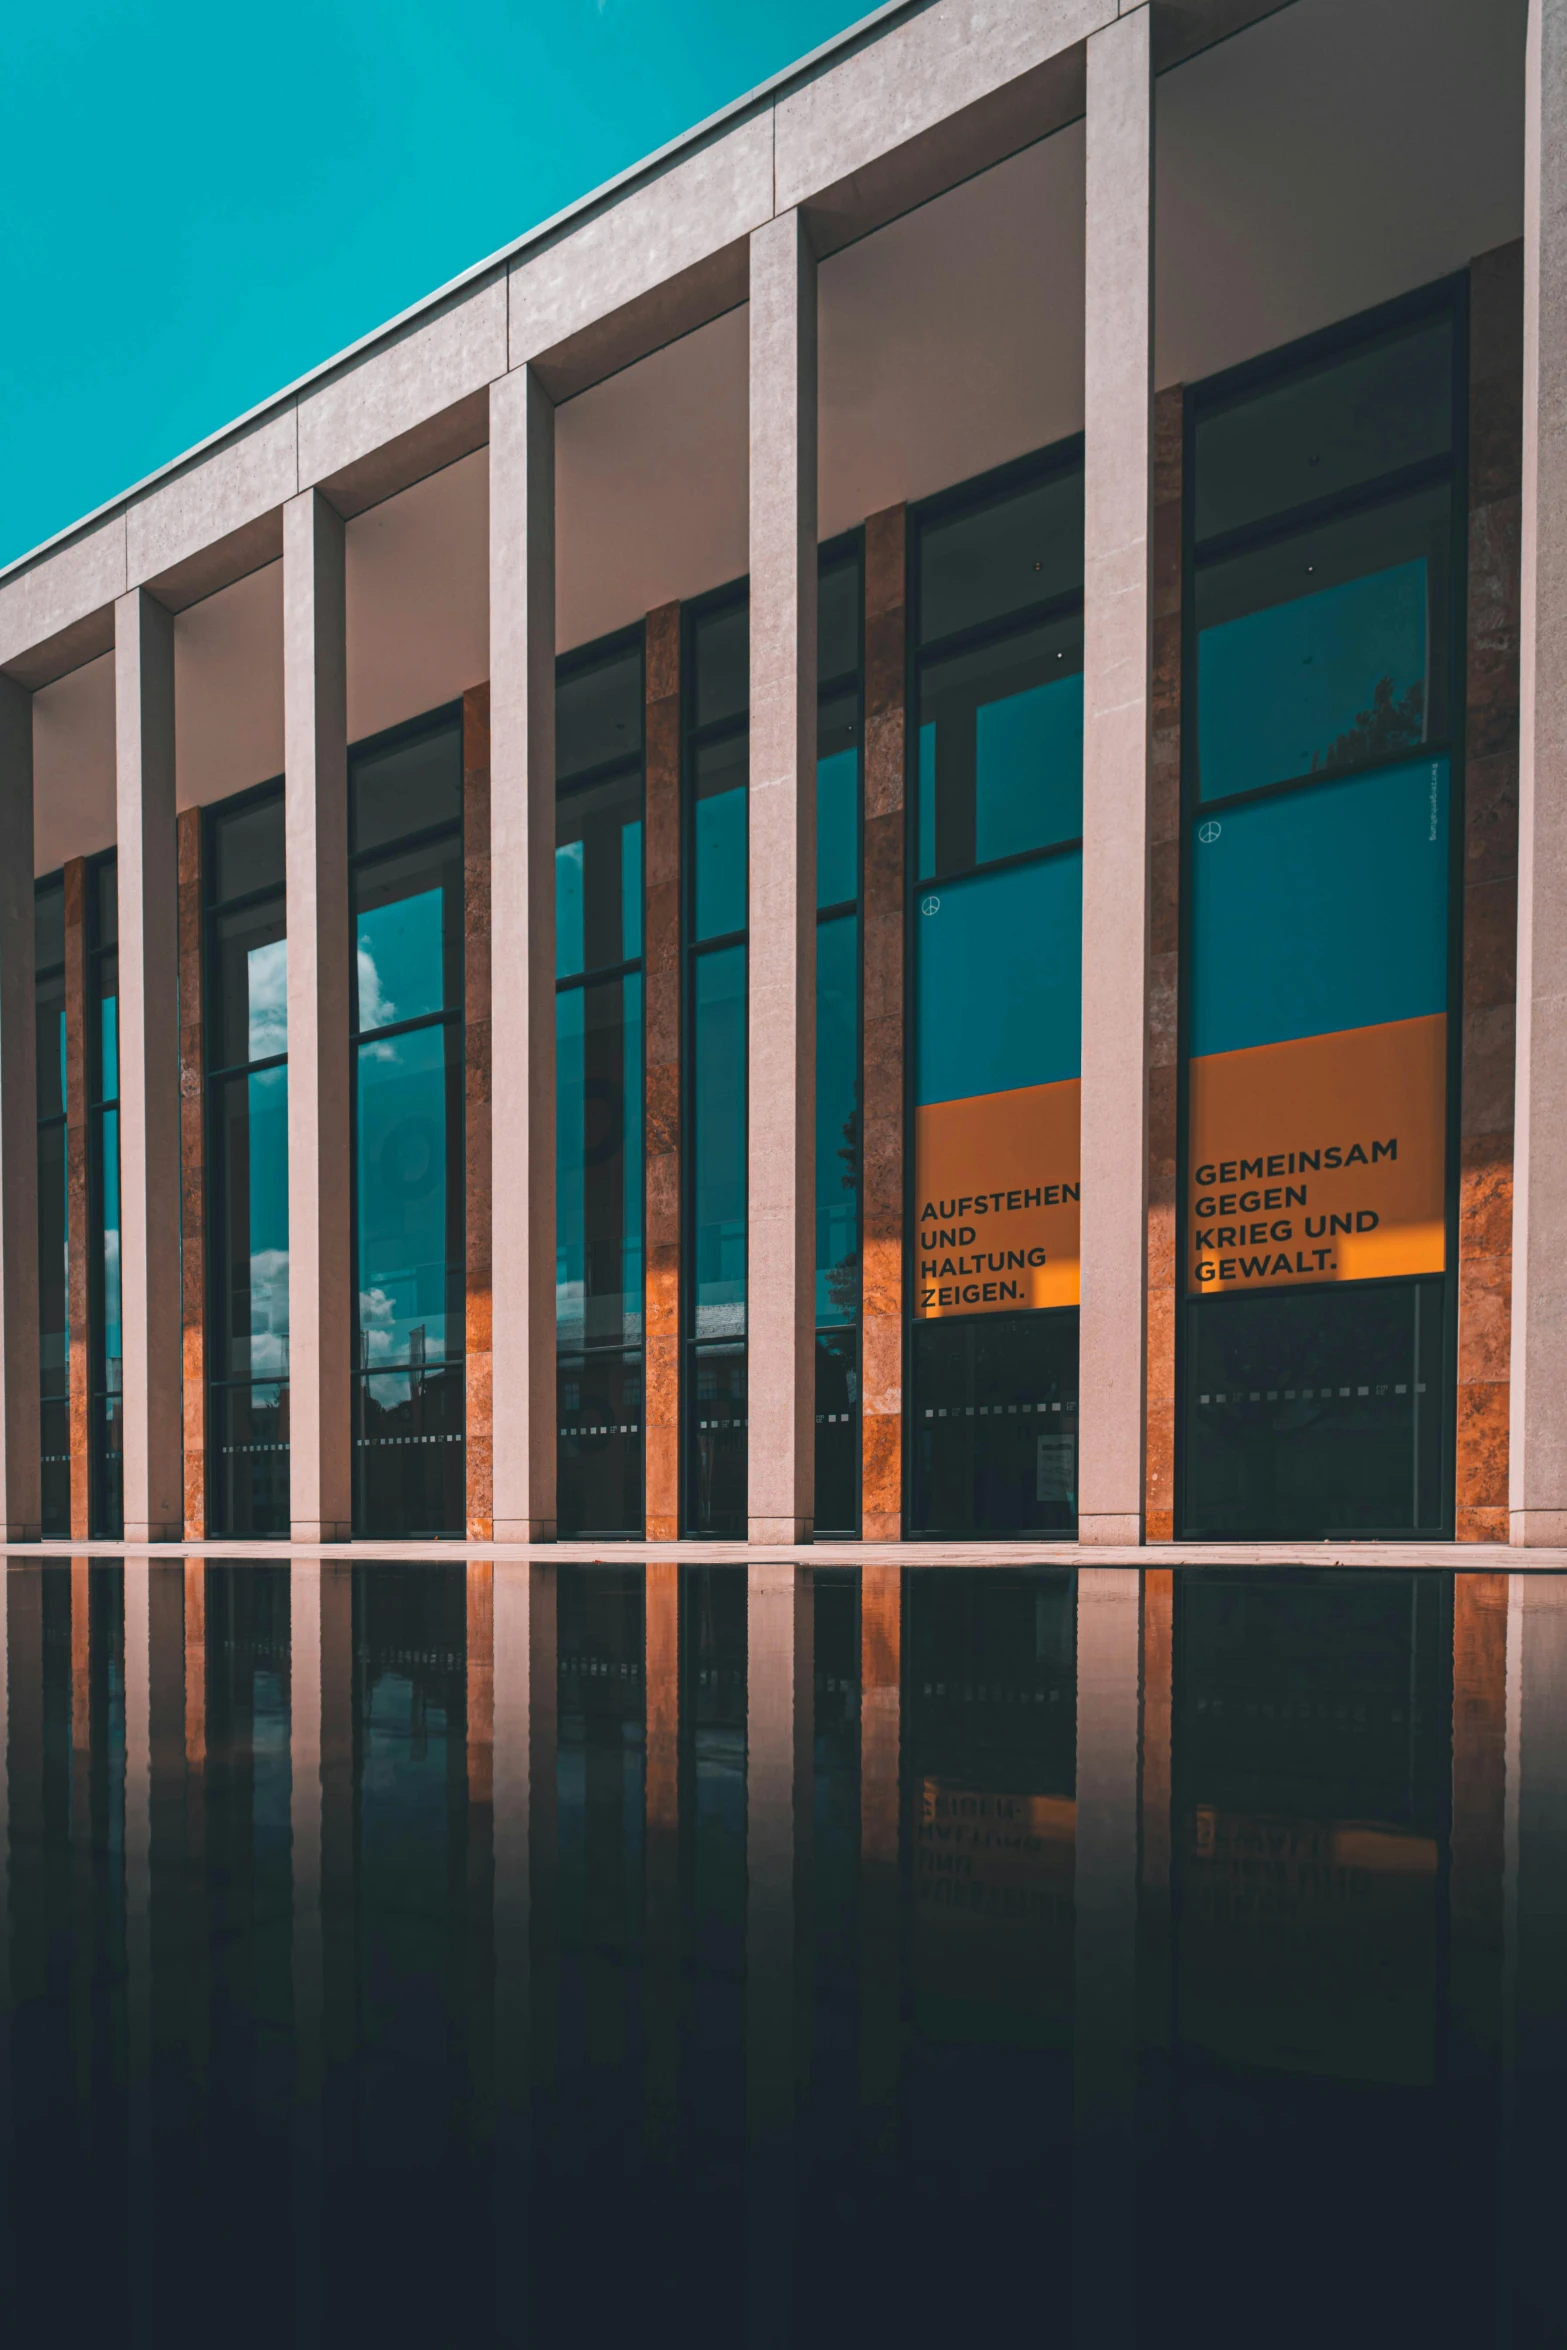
pixel 560 1954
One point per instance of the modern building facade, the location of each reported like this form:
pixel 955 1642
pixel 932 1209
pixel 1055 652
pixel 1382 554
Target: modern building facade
pixel 867 843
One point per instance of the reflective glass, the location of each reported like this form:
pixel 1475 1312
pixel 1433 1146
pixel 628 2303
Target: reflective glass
pixel 409 1268
pixel 1324 651
pixel 721 656
pixel 716 1411
pixel 837 1431
pixel 408 936
pixel 837 812
pixel 49 926
pixel 995 1425
pixel 107 1056
pixel 248 1452
pixel 837 1121
pixel 408 1451
pixel 999 982
pixel 250 1009
pixel 598 714
pixel 103 903
pixel 838 622
pixel 600 1400
pixel 250 1242
pixel 109 1200
pixel 54 1339
pixel 1317 1412
pixel 720 847
pixel 598 1032
pixel 1339 421
pixel 1321 909
pixel 410 786
pixel 247 850
pixel 598 876
pixel 50 1062
pixel 718 1121
pixel 1000 750
pixel 1024 547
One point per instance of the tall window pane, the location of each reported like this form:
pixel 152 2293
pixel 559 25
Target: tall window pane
pixel 838 784
pixel 598 1044
pixel 105 1387
pixel 54 1318
pixel 1320 865
pixel 247 1143
pixel 406 898
pixel 996 954
pixel 717 750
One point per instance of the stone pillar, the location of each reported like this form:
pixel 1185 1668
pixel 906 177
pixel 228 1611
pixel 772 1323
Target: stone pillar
pixel 77 1204
pixel 478 1325
pixel 1105 1952
pixel 1164 942
pixel 881 1086
pixel 1537 1464
pixel 1116 650
pixel 193 1172
pixel 21 1503
pixel 522 903
pixel 320 1275
pixel 781 1217
pixel 1490 979
pixel 662 994
pixel 149 1067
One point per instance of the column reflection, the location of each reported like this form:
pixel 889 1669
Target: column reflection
pixel 1534 2017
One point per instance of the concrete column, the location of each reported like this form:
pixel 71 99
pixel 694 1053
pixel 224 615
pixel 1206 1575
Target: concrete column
pixel 1105 1952
pixel 1117 608
pixel 522 904
pixel 149 1068
pixel 1537 1468
pixel 21 1507
pixel 781 1218
pixel 320 1269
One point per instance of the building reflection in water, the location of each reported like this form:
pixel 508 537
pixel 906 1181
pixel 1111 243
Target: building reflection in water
pixel 494 1950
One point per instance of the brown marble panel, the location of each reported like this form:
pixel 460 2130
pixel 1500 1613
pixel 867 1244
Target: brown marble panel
pixel 77 1287
pixel 193 1175
pixel 1490 894
pixel 661 996
pixel 881 1238
pixel 479 1450
pixel 1164 839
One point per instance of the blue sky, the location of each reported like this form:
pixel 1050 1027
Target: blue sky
pixel 203 202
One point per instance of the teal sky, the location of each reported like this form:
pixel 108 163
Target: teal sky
pixel 201 203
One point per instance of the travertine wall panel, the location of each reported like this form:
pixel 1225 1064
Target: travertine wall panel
pixel 429 366
pixel 232 486
pixel 662 1077
pixel 1164 945
pixel 881 1178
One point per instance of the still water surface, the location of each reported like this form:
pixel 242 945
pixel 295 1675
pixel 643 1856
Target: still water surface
pixel 560 1954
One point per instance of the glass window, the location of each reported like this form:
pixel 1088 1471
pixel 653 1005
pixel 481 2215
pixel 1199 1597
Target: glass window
pixel 997 950
pixel 996 558
pixel 54 1321
pixel 409 1197
pixel 718 1097
pixel 598 1077
pixel 1320 862
pixel 719 836
pixel 105 1405
pixel 1333 424
pixel 1324 650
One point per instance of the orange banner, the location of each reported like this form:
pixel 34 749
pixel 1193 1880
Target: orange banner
pixel 996 1182
pixel 1323 1159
